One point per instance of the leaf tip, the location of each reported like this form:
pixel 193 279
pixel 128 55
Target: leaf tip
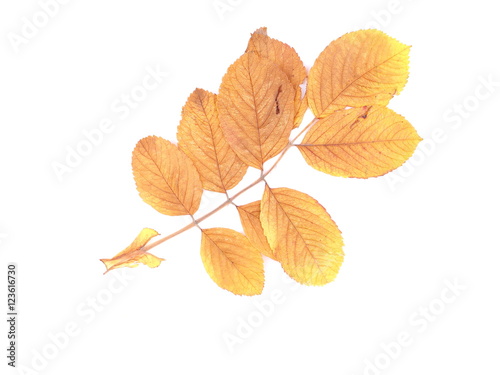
pixel 261 31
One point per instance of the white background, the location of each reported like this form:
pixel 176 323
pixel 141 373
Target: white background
pixel 404 241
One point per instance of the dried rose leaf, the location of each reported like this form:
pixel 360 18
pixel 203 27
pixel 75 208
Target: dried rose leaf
pixel 250 220
pixel 304 238
pixel 289 62
pixel 280 53
pixel 256 109
pixel 359 142
pixel 361 68
pixel 200 137
pixel 133 255
pixel 232 262
pixel 166 178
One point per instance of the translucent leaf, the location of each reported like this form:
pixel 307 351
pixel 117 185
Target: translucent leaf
pixel 256 109
pixel 300 108
pixel 232 262
pixel 133 255
pixel 250 220
pixel 280 53
pixel 289 62
pixel 165 177
pixel 359 142
pixel 200 137
pixel 365 67
pixel 305 240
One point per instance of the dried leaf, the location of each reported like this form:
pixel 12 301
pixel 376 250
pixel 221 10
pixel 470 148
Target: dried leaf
pixel 259 103
pixel 165 177
pixel 364 67
pixel 300 107
pixel 305 240
pixel 232 262
pixel 133 254
pixel 280 53
pixel 289 62
pixel 359 142
pixel 256 109
pixel 201 139
pixel 250 220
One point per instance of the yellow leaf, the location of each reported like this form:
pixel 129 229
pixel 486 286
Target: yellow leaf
pixel 165 177
pixel 250 220
pixel 133 254
pixel 365 67
pixel 289 62
pixel 232 262
pixel 256 109
pixel 300 108
pixel 359 142
pixel 280 53
pixel 200 137
pixel 305 240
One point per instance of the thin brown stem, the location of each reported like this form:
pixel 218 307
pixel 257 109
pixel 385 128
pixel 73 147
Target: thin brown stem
pixel 189 226
pixel 230 200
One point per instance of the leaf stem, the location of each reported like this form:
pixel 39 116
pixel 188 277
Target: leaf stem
pixel 229 200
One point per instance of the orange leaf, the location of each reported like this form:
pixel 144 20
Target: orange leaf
pixel 361 68
pixel 280 53
pixel 305 240
pixel 165 177
pixel 300 108
pixel 359 142
pixel 133 255
pixel 232 262
pixel 200 137
pixel 256 109
pixel 289 62
pixel 250 220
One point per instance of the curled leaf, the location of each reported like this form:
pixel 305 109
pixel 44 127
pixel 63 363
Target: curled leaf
pixel 256 109
pixel 359 142
pixel 133 255
pixel 165 177
pixel 250 220
pixel 232 262
pixel 201 139
pixel 304 238
pixel 361 68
